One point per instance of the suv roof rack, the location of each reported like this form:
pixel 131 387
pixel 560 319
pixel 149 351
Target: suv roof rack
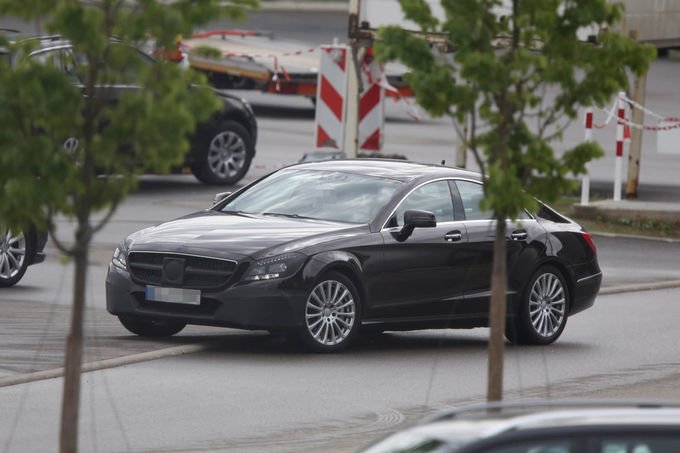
pixel 496 409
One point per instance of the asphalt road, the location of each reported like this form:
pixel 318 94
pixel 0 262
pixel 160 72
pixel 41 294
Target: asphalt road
pixel 253 393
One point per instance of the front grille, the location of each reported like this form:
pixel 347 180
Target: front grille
pixel 199 272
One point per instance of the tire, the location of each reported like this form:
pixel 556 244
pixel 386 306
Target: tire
pixel 222 152
pixel 16 251
pixel 332 314
pixel 543 310
pixel 150 327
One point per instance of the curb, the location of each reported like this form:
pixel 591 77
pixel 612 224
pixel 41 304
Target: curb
pixel 635 287
pixel 288 5
pixel 107 363
pixel 634 236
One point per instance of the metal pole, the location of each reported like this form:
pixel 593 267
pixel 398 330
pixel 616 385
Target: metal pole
pixel 635 150
pixel 585 180
pixel 352 104
pixel 619 145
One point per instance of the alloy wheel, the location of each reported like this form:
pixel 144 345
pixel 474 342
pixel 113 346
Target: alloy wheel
pixel 226 154
pixel 12 254
pixel 547 305
pixel 330 312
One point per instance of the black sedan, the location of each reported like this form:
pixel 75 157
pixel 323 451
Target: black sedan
pixel 323 250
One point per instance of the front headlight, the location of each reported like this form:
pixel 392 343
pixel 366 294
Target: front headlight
pixel 119 258
pixel 276 267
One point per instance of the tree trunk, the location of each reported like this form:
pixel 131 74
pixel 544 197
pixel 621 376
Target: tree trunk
pixel 68 441
pixel 497 311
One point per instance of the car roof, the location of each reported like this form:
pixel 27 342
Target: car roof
pixel 472 423
pixel 388 168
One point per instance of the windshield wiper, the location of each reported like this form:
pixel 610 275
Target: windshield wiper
pixel 291 216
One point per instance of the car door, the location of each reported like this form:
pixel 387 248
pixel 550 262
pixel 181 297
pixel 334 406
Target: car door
pixel 481 230
pixel 420 277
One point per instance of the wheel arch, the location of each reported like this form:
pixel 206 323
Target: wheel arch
pixel 344 263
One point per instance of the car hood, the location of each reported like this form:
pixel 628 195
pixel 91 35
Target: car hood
pixel 236 236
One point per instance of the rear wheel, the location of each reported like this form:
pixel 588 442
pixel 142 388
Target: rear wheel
pixel 222 153
pixel 151 327
pixel 332 314
pixel 15 252
pixel 542 313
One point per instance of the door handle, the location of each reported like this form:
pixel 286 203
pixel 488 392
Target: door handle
pixel 453 236
pixel 519 235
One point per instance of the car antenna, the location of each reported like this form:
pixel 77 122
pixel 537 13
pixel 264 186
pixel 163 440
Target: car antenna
pixel 443 162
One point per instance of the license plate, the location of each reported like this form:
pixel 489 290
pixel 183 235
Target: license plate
pixel 173 295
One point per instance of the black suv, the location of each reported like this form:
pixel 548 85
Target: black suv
pixel 222 148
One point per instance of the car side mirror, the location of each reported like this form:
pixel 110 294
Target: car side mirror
pixel 220 196
pixel 415 218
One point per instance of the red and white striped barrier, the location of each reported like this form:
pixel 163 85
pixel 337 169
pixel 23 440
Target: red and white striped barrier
pixel 585 180
pixel 621 117
pixel 371 104
pixel 330 99
pixel 623 127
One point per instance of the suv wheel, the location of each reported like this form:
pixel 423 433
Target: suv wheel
pixel 15 250
pixel 222 153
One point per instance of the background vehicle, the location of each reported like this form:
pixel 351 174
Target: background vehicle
pixel 322 249
pixel 222 148
pixel 543 427
pixel 18 250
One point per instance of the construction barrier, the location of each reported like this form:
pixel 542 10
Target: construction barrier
pixel 329 122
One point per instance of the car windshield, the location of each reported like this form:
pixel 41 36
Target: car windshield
pixel 325 195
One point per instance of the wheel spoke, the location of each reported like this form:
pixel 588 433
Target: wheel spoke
pixel 330 312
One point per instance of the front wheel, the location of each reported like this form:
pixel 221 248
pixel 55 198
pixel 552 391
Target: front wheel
pixel 151 327
pixel 222 153
pixel 542 313
pixel 332 314
pixel 15 250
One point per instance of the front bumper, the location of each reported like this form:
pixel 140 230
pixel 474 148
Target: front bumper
pixel 254 305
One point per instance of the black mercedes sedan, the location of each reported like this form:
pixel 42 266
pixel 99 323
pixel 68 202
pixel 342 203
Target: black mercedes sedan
pixel 323 250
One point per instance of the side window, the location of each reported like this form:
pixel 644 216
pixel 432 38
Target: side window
pixel 471 195
pixel 533 446
pixel 61 59
pixel 434 197
pixel 641 444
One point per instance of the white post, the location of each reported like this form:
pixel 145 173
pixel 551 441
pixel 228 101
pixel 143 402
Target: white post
pixel 352 102
pixel 619 146
pixel 585 180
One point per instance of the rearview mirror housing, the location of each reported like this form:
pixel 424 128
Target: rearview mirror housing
pixel 415 218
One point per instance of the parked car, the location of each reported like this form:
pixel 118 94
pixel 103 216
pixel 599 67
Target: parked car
pixel 543 427
pixel 324 249
pixel 18 250
pixel 221 149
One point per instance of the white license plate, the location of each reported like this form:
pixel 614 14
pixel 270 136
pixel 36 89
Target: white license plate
pixel 173 295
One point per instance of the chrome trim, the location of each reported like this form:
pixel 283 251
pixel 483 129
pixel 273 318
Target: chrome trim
pixel 182 254
pixel 588 277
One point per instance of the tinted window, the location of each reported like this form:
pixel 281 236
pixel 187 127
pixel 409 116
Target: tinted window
pixel 640 444
pixel 471 195
pixel 325 195
pixel 534 446
pixel 434 197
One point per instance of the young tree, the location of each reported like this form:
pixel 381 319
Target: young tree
pixel 63 128
pixel 522 79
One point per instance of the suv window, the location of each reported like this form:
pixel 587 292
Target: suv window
pixel 640 444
